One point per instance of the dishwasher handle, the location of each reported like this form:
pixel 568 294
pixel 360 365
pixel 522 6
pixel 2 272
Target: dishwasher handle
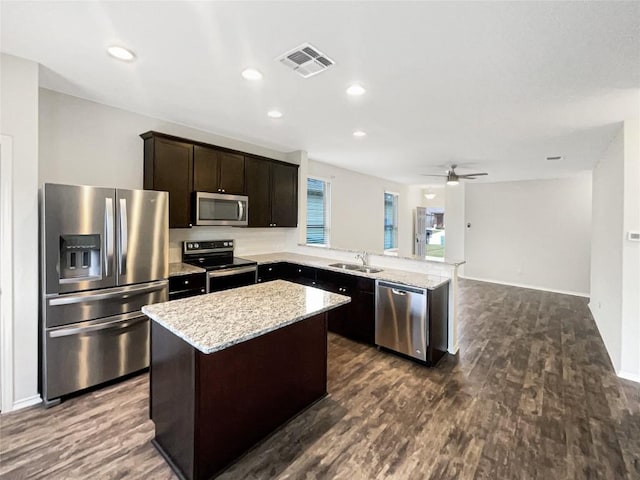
pixel 401 290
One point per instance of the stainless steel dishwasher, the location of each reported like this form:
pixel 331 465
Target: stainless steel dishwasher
pixel 401 319
pixel 412 321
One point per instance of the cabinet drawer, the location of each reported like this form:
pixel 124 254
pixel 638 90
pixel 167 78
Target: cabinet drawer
pixel 194 281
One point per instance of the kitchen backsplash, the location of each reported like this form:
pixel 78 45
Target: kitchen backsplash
pixel 248 241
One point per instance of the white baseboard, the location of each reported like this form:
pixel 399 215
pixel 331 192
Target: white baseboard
pixel 522 285
pixel 634 377
pixel 26 402
pixel 454 350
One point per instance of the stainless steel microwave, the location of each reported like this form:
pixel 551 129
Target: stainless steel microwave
pixel 221 209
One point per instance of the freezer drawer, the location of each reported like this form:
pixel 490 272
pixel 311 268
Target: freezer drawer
pixel 80 307
pixel 402 319
pixel 85 354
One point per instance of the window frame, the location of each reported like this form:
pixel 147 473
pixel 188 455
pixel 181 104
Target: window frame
pixel 327 211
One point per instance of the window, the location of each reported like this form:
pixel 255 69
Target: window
pixel 390 221
pixel 317 211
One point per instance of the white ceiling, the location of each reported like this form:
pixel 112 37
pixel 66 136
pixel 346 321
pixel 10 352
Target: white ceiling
pixel 498 85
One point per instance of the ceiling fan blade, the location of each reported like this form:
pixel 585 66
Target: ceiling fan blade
pixel 432 175
pixel 470 175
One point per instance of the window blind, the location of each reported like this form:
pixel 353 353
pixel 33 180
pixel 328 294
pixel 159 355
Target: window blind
pixel 390 221
pixel 317 230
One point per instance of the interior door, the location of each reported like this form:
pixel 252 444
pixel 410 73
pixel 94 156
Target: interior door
pixel 142 226
pixel 79 238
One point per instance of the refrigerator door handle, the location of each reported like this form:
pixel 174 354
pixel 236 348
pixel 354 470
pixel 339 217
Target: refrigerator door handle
pixel 123 322
pixel 124 236
pixel 94 297
pixel 108 232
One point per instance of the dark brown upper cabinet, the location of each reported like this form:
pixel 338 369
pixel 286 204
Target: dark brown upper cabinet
pixel 168 166
pixel 257 176
pixel 181 167
pixel 284 195
pixel 272 188
pixel 217 171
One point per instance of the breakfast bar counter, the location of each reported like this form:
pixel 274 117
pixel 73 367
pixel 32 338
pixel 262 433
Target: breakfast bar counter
pixel 228 368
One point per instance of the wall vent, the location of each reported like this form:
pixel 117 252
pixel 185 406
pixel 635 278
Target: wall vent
pixel 306 60
pixel 555 158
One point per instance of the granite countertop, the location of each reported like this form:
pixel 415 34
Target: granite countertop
pixel 178 268
pixel 420 280
pixel 218 320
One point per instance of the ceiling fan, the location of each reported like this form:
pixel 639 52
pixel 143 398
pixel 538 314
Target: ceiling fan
pixel 453 178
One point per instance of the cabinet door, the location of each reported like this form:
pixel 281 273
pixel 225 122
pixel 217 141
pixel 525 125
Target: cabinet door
pixel 231 172
pixel 257 189
pixel 284 195
pixel 271 271
pixel 205 170
pixel 173 173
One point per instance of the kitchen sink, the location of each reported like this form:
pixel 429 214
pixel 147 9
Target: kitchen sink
pixel 354 266
pixel 346 266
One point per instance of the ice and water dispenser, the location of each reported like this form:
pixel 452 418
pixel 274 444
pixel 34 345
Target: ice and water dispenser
pixel 80 257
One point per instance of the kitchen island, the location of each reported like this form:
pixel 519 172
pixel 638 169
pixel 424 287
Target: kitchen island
pixel 230 367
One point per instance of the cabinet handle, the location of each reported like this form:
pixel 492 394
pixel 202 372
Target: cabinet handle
pixel 191 225
pixel 270 269
pixel 202 290
pixel 223 190
pixel 186 282
pixel 299 270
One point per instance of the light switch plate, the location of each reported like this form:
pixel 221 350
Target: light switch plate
pixel 633 236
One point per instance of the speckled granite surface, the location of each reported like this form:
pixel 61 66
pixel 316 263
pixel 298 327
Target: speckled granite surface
pixel 178 268
pixel 218 320
pixel 420 280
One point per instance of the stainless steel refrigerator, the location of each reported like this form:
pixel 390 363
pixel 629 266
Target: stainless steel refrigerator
pixel 420 232
pixel 104 255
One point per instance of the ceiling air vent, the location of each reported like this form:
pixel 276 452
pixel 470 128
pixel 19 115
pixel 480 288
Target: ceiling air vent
pixel 306 60
pixel 555 158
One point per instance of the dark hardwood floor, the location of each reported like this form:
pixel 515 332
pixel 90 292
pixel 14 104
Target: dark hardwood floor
pixel 531 395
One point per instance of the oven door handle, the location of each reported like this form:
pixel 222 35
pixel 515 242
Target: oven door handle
pixel 231 271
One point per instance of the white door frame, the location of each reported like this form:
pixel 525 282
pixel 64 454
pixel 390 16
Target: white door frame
pixel 6 273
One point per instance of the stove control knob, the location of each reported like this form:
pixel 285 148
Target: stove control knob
pixel 225 244
pixel 189 245
pixel 196 245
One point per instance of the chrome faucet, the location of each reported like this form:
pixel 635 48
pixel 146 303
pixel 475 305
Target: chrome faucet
pixel 364 257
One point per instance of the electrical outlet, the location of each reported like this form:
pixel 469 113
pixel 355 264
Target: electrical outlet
pixel 633 236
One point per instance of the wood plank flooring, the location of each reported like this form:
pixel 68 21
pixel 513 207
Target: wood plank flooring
pixel 531 395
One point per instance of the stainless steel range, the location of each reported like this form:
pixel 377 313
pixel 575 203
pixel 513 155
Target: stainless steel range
pixel 224 271
pixel 105 255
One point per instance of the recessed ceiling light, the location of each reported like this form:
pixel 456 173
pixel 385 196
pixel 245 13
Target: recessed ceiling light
pixel 251 74
pixel 121 53
pixel 274 114
pixel 359 133
pixel 356 89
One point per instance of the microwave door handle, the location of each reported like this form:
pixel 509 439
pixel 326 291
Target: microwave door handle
pixel 108 233
pixel 124 236
pixel 240 210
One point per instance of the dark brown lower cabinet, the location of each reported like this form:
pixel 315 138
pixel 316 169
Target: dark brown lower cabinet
pixel 355 320
pixel 208 409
